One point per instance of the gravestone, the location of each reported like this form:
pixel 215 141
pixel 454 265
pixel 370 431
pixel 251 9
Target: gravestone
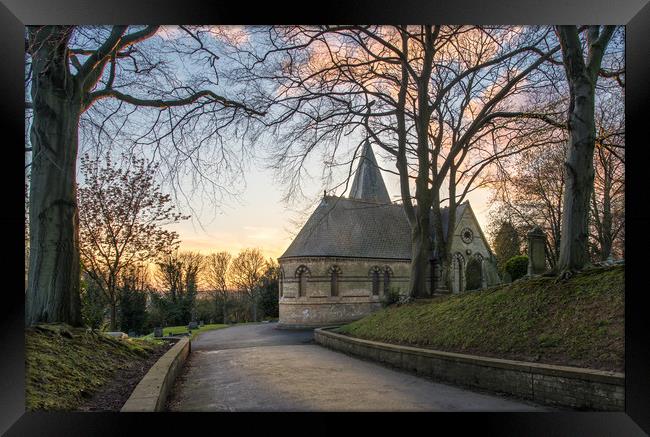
pixel 201 324
pixel 192 325
pixel 536 251
pixel 158 332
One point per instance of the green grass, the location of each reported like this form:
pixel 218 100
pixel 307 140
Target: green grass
pixel 175 330
pixel 576 323
pixel 65 365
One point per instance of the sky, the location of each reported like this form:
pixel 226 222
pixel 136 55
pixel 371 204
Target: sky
pixel 259 218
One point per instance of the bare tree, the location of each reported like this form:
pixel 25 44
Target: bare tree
pixel 607 205
pixel 425 94
pixel 246 270
pixel 96 77
pixel 121 214
pixel 215 274
pixel 582 72
pixel 530 192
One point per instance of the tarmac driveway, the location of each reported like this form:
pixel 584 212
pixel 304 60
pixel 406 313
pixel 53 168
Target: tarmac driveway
pixel 257 367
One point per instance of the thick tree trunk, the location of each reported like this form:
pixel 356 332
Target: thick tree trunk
pixel 579 171
pixel 579 178
pixel 442 256
pixel 54 268
pixel 420 258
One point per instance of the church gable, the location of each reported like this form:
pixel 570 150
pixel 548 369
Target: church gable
pixel 364 225
pixel 468 237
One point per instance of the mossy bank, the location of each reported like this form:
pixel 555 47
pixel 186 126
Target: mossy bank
pixel 579 322
pixel 65 366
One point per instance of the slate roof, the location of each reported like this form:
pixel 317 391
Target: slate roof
pixel 368 183
pixel 344 227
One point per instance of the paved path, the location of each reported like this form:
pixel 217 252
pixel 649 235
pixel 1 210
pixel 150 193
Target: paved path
pixel 260 368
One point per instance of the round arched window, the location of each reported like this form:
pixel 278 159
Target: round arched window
pixel 467 235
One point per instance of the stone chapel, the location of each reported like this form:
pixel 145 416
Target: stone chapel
pixel 352 250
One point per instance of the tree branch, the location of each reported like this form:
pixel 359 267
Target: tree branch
pixel 102 52
pixel 160 103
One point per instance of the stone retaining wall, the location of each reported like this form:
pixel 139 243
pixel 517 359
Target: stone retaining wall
pixel 572 387
pixel 151 392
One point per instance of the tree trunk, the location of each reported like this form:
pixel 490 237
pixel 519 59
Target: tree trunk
pixel 420 259
pixel 113 316
pixel 442 258
pixel 254 308
pixel 579 171
pixel 607 238
pixel 419 217
pixel 579 177
pixel 53 284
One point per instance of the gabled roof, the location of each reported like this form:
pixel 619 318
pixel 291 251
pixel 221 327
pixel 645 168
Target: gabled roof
pixel 353 228
pixel 368 184
pixel 343 227
pixel 480 230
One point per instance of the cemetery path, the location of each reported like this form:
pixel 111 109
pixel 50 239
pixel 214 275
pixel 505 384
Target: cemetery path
pixel 256 367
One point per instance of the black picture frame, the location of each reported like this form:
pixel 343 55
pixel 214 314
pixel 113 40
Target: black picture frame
pixel 635 14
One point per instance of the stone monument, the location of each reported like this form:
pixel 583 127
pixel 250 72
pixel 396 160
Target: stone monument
pixel 536 251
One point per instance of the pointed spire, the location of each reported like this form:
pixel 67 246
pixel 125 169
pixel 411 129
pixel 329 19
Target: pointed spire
pixel 368 183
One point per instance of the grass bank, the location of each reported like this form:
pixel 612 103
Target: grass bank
pixel 576 323
pixel 65 366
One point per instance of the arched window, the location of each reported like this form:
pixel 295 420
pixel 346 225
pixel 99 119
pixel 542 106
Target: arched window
pixel 281 281
pixel 388 272
pixel 335 272
pixel 301 273
pixel 374 275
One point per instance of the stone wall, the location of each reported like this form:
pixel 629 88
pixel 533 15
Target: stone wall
pixel 583 389
pixel 151 392
pixel 317 306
